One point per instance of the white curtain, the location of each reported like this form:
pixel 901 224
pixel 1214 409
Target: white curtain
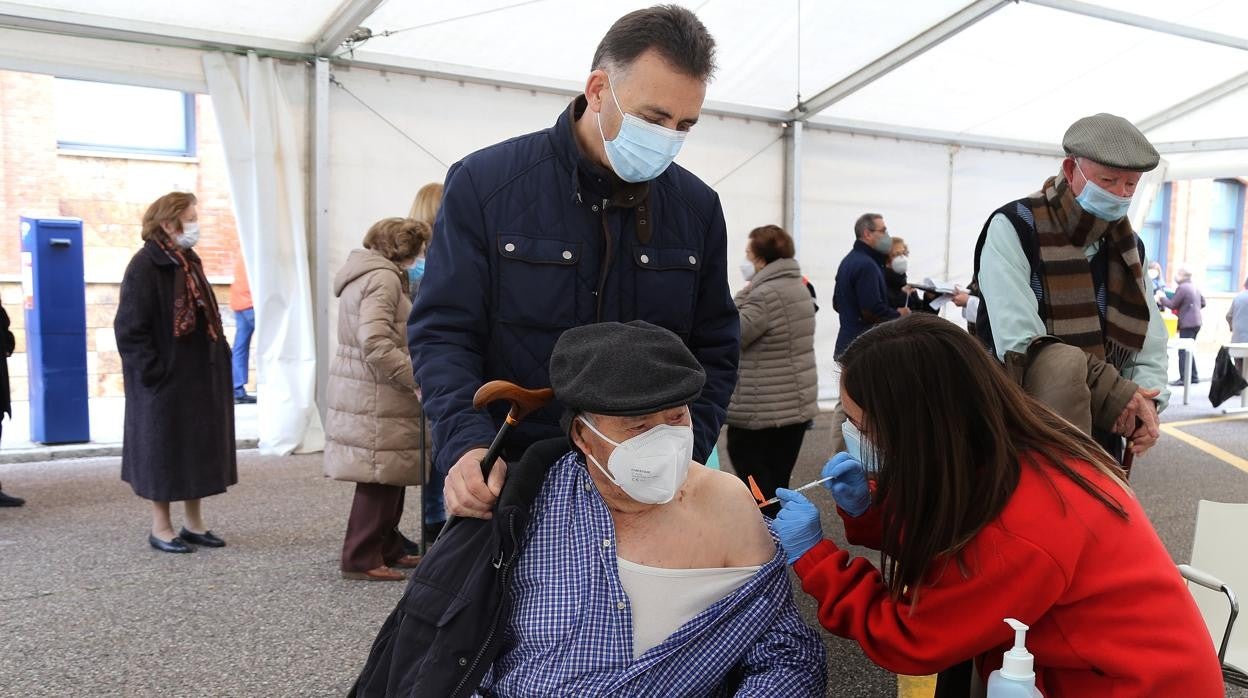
pixel 261 107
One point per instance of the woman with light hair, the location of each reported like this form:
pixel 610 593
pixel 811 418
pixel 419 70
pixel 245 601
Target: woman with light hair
pixel 424 209
pixel 179 423
pixel 373 424
pixel 1186 303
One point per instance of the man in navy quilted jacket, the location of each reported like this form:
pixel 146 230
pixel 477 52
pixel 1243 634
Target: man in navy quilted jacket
pixel 587 221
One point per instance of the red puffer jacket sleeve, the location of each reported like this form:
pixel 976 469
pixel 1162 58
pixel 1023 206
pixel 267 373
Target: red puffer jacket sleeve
pixel 955 616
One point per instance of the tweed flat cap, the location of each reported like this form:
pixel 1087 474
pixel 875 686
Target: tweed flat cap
pixel 624 370
pixel 1112 141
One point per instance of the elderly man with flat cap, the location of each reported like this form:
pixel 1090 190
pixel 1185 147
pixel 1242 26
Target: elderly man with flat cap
pixel 1063 288
pixel 643 572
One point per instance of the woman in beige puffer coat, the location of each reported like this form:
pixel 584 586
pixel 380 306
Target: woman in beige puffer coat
pixel 373 422
pixel 777 388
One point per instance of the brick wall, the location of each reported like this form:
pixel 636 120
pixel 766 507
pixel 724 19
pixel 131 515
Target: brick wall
pixel 109 192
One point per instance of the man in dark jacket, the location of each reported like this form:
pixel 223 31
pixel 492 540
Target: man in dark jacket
pixel 585 222
pixel 860 297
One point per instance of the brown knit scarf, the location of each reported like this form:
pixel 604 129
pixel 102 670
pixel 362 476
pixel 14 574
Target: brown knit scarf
pixel 191 293
pixel 1063 230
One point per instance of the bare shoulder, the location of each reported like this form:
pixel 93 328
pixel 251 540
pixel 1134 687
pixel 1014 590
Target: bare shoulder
pixel 725 501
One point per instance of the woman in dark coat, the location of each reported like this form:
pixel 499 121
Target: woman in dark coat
pixel 179 434
pixel 7 344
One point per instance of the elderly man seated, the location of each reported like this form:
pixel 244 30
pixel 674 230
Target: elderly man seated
pixel 644 573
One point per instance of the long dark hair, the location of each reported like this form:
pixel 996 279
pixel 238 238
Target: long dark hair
pixel 951 432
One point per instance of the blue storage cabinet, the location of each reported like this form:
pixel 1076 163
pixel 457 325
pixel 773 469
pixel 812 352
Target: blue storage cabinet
pixel 56 329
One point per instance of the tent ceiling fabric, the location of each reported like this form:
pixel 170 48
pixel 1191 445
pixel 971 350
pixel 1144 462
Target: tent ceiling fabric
pixel 1018 75
pixel 285 20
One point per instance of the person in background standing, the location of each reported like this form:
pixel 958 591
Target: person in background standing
pixel 7 343
pixel 1237 320
pixel 432 507
pixel 245 325
pixel 1237 316
pixel 372 428
pixel 778 384
pixel 1155 278
pixel 179 425
pixel 860 296
pixel 900 293
pixel 1186 302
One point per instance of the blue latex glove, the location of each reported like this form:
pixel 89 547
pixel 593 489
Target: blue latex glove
pixel 849 483
pixel 797 524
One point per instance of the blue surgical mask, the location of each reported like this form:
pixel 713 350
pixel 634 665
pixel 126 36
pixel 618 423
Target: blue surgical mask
pixel 1100 203
pixel 853 446
pixel 417 270
pixel 641 150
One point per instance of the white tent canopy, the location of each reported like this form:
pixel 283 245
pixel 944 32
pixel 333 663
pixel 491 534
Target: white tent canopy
pixel 932 112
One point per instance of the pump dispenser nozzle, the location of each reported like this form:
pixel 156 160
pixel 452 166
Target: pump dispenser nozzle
pixel 1018 662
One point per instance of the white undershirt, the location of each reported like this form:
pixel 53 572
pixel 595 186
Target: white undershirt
pixel 664 599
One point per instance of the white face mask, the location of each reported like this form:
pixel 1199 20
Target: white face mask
pixel 900 263
pixel 748 270
pixel 650 467
pixel 1153 274
pixel 190 235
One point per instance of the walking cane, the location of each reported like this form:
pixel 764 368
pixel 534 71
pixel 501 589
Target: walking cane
pixel 523 403
pixel 1128 456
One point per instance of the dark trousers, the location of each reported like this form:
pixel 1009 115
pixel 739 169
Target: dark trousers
pixel 1187 333
pixel 767 454
pixel 372 538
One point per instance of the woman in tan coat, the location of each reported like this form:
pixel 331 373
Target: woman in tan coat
pixel 778 385
pixel 373 425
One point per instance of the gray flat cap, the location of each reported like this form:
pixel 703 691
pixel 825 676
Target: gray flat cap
pixel 623 370
pixel 1112 141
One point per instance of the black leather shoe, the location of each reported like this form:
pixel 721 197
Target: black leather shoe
pixel 10 501
pixel 244 399
pixel 205 539
pixel 177 545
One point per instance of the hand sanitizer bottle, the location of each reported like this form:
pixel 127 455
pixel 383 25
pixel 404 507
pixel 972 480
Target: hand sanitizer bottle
pixel 1016 677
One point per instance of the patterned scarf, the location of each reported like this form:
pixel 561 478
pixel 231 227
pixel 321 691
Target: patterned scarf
pixel 1063 230
pixel 191 292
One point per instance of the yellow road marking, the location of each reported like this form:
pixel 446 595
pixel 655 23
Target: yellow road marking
pixel 916 686
pixel 1204 420
pixel 1201 444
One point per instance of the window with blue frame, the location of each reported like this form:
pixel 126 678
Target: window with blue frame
pixel 124 119
pixel 1226 232
pixel 1156 229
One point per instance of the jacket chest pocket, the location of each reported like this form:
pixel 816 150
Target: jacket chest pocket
pixel 537 281
pixel 667 286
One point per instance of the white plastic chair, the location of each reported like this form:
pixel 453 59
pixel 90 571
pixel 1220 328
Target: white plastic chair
pixel 1219 566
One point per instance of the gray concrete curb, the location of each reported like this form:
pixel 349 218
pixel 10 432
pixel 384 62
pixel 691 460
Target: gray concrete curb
pixel 89 450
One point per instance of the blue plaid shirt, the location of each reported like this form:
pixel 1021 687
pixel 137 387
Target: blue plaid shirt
pixel 570 633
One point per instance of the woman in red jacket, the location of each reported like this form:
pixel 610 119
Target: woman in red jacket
pixel 987 505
